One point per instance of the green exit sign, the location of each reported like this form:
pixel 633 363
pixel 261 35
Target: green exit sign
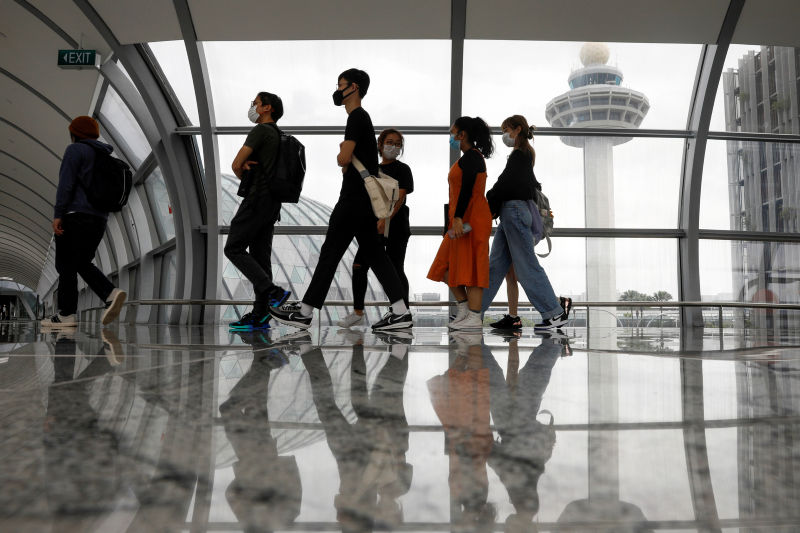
pixel 78 58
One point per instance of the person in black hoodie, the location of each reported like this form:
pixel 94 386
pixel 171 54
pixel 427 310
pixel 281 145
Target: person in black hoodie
pixel 79 227
pixel 511 198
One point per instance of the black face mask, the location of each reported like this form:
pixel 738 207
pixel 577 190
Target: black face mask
pixel 338 96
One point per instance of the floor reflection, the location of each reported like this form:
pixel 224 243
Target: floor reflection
pixel 170 429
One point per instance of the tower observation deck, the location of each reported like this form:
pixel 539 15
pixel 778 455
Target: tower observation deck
pixel 596 98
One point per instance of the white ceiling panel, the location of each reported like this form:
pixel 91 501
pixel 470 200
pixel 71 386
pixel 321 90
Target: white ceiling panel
pixel 28 150
pixel 257 20
pixel 676 21
pixel 142 21
pixel 775 22
pixel 70 19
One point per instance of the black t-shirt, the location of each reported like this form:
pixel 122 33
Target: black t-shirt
pixel 360 130
pixel 264 139
pixel 471 164
pixel 402 173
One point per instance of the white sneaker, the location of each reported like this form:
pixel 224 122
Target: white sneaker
pixel 461 313
pixel 471 321
pixel 114 304
pixel 58 321
pixel 351 320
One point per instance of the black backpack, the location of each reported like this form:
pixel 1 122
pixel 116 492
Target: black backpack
pixel 286 181
pixel 109 183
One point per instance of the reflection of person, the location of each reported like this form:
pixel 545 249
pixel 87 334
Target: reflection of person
pixel 513 243
pixel 462 261
pixel 390 146
pixel 460 398
pixel 249 244
pixel 266 491
pixel 370 454
pixel 352 216
pixel 81 458
pixel 524 443
pixel 79 227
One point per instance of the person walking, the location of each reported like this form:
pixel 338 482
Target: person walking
pixel 79 227
pixel 249 244
pixel 462 261
pixel 352 216
pixel 514 239
pixel 390 146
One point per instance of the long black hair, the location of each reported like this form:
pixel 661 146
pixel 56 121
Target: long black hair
pixel 478 134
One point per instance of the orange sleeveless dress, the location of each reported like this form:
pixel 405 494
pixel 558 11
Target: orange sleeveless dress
pixel 465 260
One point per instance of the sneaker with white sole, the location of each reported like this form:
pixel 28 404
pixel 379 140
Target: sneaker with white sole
pixel 471 321
pixel 552 323
pixel 353 319
pixel 114 304
pixel 289 315
pixel 58 321
pixel 393 321
pixel 462 310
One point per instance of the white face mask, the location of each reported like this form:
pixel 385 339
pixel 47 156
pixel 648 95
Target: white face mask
pixel 391 152
pixel 508 141
pixel 252 114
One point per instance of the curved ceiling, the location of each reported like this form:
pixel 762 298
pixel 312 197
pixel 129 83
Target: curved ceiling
pixel 37 99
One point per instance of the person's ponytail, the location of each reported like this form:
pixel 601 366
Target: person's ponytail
pixel 478 133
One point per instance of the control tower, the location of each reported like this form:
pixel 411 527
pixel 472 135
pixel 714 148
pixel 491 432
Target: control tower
pixel 596 99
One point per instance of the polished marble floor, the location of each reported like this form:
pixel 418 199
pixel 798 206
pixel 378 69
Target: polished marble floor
pixel 157 428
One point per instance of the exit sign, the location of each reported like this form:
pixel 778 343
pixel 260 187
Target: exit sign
pixel 78 58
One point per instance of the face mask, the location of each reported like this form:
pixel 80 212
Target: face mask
pixel 508 141
pixel 391 152
pixel 454 143
pixel 338 96
pixel 252 114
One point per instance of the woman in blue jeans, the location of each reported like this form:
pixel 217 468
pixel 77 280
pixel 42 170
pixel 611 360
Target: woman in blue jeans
pixel 513 243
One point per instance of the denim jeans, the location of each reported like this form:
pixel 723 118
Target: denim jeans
pixel 513 244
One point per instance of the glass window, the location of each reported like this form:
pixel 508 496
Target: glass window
pixel 756 95
pixel 167 287
pixel 503 78
pixel 171 56
pixel 750 271
pixel 160 205
pixel 130 228
pixel 740 189
pixel 132 140
pixel 303 74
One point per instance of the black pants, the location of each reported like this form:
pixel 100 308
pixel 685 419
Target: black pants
pixel 395 245
pixel 75 251
pixel 352 219
pixel 252 227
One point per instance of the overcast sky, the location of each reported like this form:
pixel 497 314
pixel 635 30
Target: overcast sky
pixel 411 86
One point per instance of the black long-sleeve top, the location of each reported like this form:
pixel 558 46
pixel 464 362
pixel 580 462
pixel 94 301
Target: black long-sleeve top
pixel 516 182
pixel 471 164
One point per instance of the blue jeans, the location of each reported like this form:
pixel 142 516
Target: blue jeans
pixel 513 244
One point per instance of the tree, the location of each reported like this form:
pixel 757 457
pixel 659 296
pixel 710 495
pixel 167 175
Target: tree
pixel 634 296
pixel 661 296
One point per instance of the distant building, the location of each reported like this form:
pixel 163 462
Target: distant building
pixel 761 96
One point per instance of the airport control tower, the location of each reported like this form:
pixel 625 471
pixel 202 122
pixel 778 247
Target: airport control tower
pixel 596 99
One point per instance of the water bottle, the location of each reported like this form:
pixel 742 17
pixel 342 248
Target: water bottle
pixel 467 229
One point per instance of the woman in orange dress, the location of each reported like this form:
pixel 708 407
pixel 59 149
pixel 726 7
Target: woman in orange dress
pixel 463 257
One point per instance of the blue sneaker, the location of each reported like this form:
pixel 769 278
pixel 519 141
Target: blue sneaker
pixel 250 322
pixel 278 296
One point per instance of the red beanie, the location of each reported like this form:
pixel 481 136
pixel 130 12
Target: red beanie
pixel 84 127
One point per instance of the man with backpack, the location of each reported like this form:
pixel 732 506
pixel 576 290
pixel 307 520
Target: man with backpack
pixel 249 245
pixel 79 226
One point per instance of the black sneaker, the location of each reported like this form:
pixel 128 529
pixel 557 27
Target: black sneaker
pixel 566 305
pixel 250 322
pixel 393 321
pixel 552 323
pixel 290 315
pixel 507 322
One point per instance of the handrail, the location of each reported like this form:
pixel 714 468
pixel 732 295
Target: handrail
pixel 442 303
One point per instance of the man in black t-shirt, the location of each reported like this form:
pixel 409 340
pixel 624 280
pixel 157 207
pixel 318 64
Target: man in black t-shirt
pixel 351 217
pixel 249 244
